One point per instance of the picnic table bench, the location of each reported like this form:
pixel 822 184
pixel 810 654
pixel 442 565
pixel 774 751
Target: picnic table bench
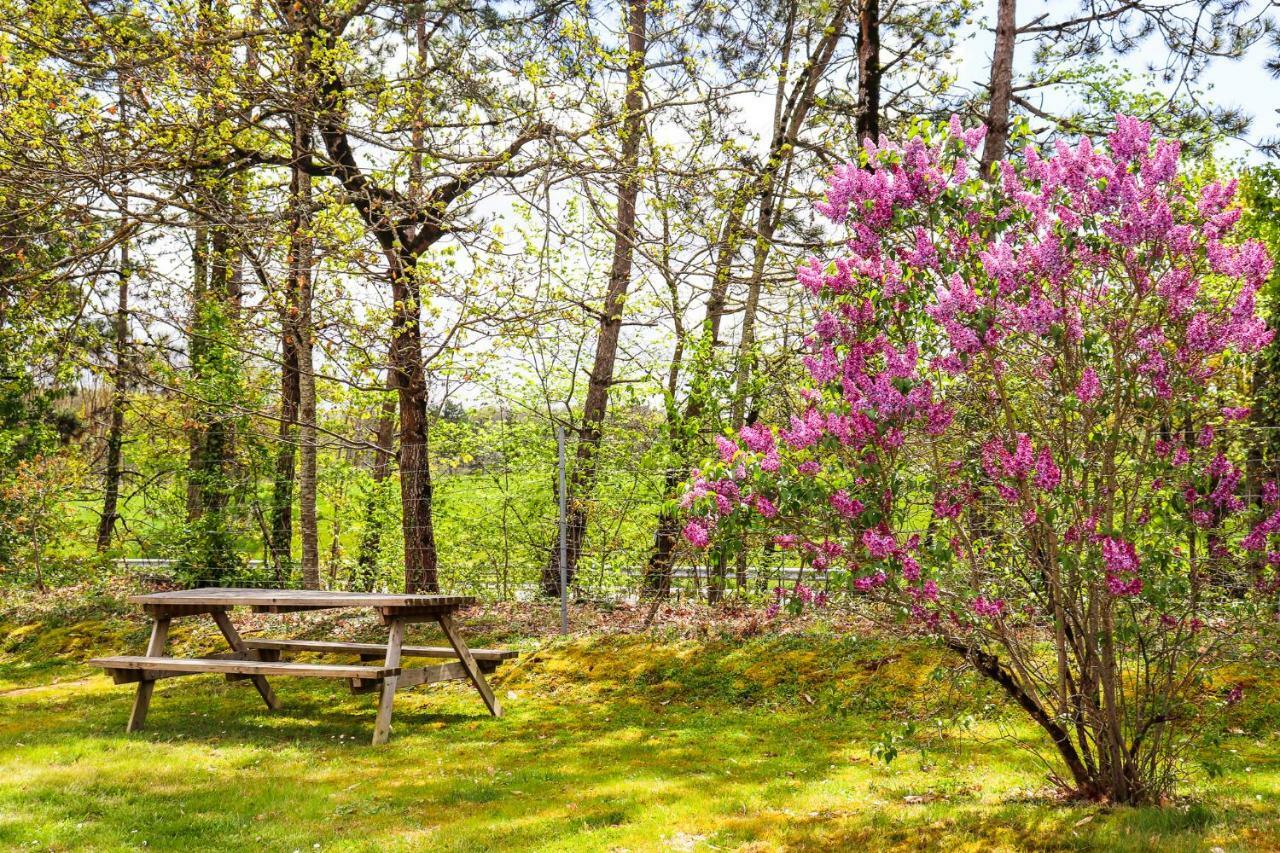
pixel 255 659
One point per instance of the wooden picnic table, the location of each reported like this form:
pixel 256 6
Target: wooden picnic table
pixel 256 659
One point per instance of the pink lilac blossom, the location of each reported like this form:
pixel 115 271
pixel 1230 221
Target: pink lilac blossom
pixel 1089 388
pixel 764 506
pixel 1121 560
pixel 845 505
pixel 1054 251
pixel 879 544
pixel 696 533
pixel 992 609
pixel 1047 474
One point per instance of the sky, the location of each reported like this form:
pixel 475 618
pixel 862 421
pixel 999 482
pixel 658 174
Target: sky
pixel 1243 83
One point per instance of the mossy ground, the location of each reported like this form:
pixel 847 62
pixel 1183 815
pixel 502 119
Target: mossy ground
pixel 636 742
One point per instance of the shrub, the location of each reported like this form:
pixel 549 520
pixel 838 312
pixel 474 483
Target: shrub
pixel 1009 437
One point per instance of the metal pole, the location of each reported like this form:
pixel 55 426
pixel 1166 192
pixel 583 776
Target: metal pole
pixel 564 548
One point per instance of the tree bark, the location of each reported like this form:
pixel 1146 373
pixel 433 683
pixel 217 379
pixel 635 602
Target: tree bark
pixel 119 395
pixel 1001 86
pixel 409 376
pixel 868 122
pixel 582 482
pixel 301 252
pixel 281 544
pixel 371 540
pixel 119 386
pixel 195 433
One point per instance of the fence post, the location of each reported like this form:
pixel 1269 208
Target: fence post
pixel 564 555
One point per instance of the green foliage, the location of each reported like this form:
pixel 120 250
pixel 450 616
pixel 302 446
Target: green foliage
pixel 208 550
pixel 1260 219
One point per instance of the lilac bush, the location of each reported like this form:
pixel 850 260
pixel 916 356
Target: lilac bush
pixel 1010 438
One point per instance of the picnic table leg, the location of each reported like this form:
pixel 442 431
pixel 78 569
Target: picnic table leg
pixel 382 726
pixel 155 649
pixel 469 663
pixel 237 645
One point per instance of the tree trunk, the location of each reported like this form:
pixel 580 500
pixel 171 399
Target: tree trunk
pixel 991 667
pixel 868 121
pixel 195 434
pixel 404 229
pixel 1001 86
pixel 300 251
pixel 371 541
pixel 119 395
pixel 409 375
pixel 686 427
pixel 582 483
pixel 281 542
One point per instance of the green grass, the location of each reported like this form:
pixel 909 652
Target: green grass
pixel 609 742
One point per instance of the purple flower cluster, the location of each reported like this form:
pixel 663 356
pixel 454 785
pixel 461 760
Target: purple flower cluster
pixel 1121 561
pixel 1083 274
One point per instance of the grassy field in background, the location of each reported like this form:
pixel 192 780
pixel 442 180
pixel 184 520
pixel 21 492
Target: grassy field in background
pixel 610 742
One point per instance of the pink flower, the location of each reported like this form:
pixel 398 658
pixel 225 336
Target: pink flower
pixel 870 582
pixel 764 506
pixel 845 505
pixel 1121 560
pixel 987 608
pixel 696 533
pixel 1119 556
pixel 1047 474
pixel 728 449
pixel 879 544
pixel 1089 388
pixel 757 438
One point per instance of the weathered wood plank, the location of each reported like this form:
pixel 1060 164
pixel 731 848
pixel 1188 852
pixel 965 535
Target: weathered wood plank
pixel 302 599
pixel 469 663
pixel 417 613
pixel 423 675
pixel 133 676
pixel 375 649
pixel 232 636
pixel 142 701
pixel 243 667
pixel 382 725
pixel 174 611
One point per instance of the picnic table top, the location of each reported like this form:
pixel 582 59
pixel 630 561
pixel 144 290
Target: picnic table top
pixel 296 598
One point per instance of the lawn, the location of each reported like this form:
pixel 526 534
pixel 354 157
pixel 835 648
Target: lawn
pixel 610 741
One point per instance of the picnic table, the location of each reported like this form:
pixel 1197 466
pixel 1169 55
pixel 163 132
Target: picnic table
pixel 256 659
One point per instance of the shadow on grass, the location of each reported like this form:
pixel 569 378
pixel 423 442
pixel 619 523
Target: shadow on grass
pixel 573 769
